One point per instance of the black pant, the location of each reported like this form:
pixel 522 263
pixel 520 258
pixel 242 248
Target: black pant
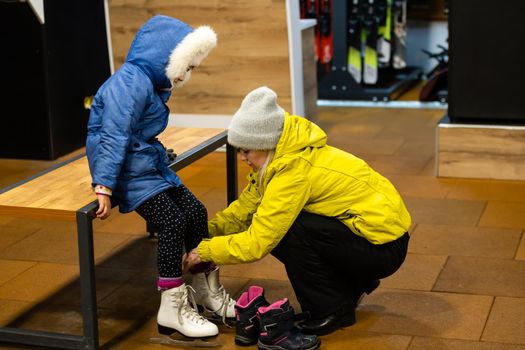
pixel 182 222
pixel 327 263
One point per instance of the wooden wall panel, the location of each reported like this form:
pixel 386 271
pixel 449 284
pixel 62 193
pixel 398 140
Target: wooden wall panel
pixel 252 49
pixel 481 152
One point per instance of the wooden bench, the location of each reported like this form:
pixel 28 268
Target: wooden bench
pixel 64 193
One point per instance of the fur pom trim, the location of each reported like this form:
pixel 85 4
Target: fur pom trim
pixel 191 51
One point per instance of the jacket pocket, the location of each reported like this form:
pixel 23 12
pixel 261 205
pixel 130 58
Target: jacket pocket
pixel 141 159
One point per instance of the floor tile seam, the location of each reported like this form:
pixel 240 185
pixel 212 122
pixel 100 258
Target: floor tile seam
pixel 507 201
pixel 487 318
pixel 41 262
pixel 467 340
pixel 374 332
pixel 463 226
pixel 20 272
pixel 21 239
pixel 431 160
pixel 518 201
pixel 385 332
pixel 463 255
pixel 119 247
pixel 410 342
pixel 520 243
pixel 445 199
pixel 476 294
pixel 32 303
pixel 129 240
pixel 440 273
pixel 511 258
pixel 411 290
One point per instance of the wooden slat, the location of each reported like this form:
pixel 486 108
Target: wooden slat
pixel 59 193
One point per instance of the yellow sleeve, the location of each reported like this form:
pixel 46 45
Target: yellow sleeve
pixel 238 215
pixel 285 196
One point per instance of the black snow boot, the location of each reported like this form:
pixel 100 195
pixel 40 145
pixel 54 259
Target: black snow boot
pixel 247 325
pixel 278 331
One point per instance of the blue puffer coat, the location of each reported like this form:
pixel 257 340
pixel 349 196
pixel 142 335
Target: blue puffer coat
pixel 129 111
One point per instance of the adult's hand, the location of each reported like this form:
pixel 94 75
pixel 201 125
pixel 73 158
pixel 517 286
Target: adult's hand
pixel 192 259
pixel 104 206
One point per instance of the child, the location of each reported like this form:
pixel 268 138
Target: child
pixel 336 224
pixel 128 162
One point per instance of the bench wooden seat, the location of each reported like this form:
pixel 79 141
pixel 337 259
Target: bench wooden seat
pixel 64 193
pixel 58 194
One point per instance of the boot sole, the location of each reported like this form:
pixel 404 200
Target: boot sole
pixel 243 341
pixel 166 330
pixel 346 321
pixel 170 331
pixel 263 346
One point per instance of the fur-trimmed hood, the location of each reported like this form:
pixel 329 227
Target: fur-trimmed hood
pixel 165 47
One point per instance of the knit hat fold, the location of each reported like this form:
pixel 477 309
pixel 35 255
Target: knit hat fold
pixel 258 123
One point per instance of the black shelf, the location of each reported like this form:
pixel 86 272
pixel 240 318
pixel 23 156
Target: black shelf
pixel 338 84
pixel 391 84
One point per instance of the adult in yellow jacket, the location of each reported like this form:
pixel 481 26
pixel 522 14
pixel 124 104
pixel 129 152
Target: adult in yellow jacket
pixel 336 224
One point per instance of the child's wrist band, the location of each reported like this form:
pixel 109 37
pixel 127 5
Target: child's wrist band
pixel 104 194
pixel 99 189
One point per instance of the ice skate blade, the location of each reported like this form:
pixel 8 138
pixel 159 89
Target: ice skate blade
pixel 186 342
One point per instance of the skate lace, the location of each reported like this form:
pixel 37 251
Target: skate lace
pixel 188 307
pixel 225 301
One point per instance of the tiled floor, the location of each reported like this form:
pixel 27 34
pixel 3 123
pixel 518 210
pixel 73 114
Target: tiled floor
pixel 462 285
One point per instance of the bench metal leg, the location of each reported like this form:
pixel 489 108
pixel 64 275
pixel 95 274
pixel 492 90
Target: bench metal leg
pixel 152 230
pixel 87 278
pixel 89 339
pixel 231 173
pixel 39 338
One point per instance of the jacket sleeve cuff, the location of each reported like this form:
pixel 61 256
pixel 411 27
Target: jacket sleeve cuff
pixel 105 181
pixel 101 189
pixel 204 250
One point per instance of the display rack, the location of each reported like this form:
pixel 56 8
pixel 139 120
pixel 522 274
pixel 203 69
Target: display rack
pixel 338 84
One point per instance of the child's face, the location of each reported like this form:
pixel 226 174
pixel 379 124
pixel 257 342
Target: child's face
pixel 255 159
pixel 180 81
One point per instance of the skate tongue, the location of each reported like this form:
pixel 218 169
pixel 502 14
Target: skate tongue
pixel 213 280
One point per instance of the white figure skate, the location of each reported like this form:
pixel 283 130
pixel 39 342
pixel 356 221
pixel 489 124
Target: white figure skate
pixel 176 315
pixel 211 296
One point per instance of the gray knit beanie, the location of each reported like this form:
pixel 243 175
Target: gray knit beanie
pixel 258 124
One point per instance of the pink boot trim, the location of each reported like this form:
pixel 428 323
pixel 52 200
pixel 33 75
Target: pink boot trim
pixel 274 306
pixel 247 297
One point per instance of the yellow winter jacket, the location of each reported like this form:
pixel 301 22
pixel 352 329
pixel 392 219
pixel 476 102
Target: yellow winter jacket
pixel 305 175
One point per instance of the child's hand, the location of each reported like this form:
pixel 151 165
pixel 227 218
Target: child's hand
pixel 104 206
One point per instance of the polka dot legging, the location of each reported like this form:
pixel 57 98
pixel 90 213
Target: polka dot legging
pixel 181 220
